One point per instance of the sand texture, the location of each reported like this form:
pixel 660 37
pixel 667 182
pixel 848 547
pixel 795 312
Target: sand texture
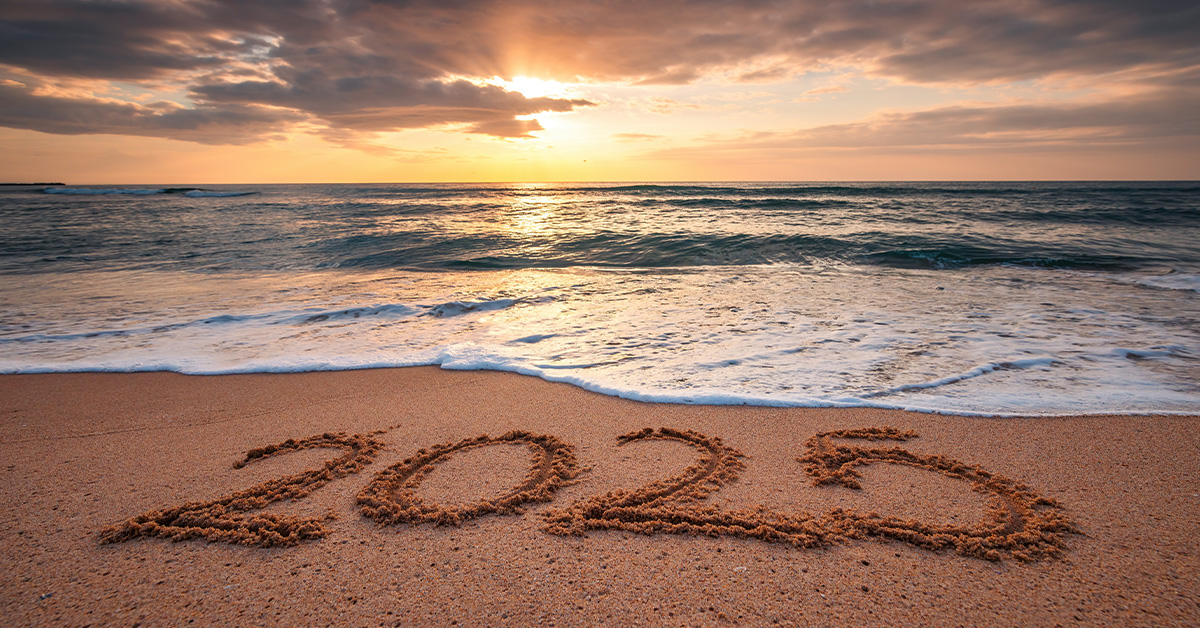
pixel 422 497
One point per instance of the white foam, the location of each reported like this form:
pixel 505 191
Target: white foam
pixel 457 308
pixel 993 342
pixel 1172 281
pixel 973 373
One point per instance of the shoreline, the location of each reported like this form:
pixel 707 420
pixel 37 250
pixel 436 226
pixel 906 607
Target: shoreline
pixel 86 451
pixel 620 394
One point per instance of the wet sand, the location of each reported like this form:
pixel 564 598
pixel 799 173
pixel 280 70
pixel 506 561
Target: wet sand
pixel 422 497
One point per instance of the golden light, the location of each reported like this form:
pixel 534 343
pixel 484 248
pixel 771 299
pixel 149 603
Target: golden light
pixel 532 214
pixel 533 87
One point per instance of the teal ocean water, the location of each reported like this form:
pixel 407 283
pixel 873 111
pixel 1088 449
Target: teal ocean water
pixel 992 298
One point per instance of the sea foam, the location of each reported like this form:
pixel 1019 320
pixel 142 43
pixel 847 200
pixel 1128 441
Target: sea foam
pixel 994 345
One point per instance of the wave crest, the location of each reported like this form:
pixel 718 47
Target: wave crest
pixel 189 192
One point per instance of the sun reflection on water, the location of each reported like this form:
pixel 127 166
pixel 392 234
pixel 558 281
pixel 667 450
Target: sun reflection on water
pixel 532 218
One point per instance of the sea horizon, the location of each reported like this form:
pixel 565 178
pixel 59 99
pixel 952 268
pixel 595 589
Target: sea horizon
pixel 109 183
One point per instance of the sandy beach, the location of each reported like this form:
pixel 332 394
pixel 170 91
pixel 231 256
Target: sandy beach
pixel 1092 519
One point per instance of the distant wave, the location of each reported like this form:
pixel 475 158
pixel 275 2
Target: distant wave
pixel 1134 229
pixel 883 189
pixel 681 250
pixel 289 318
pixel 192 192
pixel 101 191
pixel 1173 281
pixel 205 193
pixel 946 189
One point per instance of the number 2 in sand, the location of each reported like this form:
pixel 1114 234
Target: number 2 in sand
pixel 223 519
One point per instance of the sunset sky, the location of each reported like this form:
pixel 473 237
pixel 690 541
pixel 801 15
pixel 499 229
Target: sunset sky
pixel 244 91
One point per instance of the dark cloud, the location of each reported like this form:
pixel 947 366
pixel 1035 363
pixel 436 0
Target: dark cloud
pixel 122 40
pixel 378 65
pixel 240 124
pixel 671 41
pixel 991 41
pixel 626 39
pixel 387 103
pixel 298 60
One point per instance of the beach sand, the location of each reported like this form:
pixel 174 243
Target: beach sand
pixel 1095 518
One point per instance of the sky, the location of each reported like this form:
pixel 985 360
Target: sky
pixel 261 91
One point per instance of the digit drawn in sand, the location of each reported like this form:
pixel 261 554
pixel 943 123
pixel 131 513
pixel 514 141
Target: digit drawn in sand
pixel 672 505
pixel 218 520
pixel 391 497
pixel 1021 524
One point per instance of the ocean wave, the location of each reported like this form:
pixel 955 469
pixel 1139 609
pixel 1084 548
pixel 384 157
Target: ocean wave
pixel 313 316
pixel 967 189
pixel 190 192
pixel 220 319
pixel 953 257
pixel 1171 281
pixel 616 249
pixel 1122 228
pixel 978 371
pixel 772 202
pixel 210 194
pixel 104 191
pixel 458 308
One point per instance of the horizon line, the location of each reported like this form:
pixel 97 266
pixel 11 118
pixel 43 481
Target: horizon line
pixel 611 182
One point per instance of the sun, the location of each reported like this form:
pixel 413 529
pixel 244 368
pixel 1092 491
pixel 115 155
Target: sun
pixel 530 87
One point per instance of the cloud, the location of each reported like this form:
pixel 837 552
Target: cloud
pixel 674 41
pixel 1007 41
pixel 388 102
pixel 241 124
pixel 1148 119
pixel 828 89
pixel 1160 119
pixel 381 65
pixel 506 127
pixel 663 42
pixel 308 60
pixel 765 75
pixel 142 39
pixel 658 104
pixel 635 137
pixel 673 77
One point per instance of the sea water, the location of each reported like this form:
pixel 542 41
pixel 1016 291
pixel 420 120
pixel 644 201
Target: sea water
pixel 979 298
